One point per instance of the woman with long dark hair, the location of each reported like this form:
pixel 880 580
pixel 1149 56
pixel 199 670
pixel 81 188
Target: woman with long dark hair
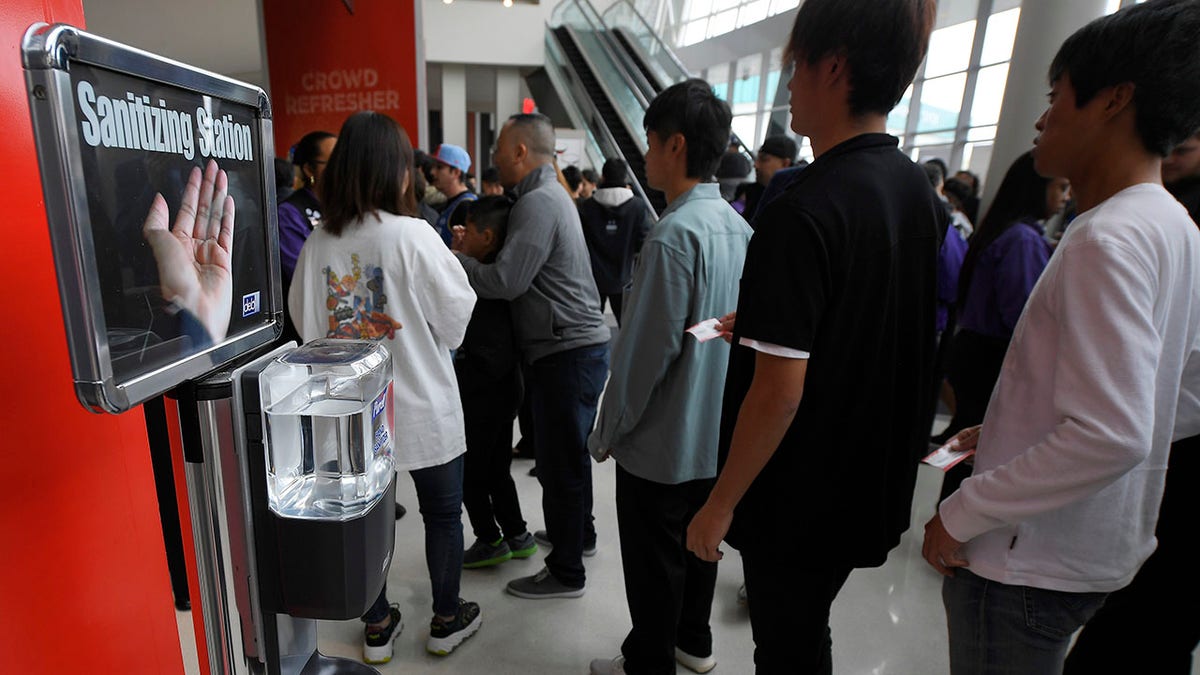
pixel 300 212
pixel 1005 257
pixel 375 271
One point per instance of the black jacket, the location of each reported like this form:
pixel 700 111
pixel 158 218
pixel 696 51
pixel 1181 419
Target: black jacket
pixel 613 234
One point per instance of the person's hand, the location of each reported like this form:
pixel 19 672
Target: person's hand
pixel 967 439
pixel 456 237
pixel 725 325
pixel 706 531
pixel 194 256
pixel 940 549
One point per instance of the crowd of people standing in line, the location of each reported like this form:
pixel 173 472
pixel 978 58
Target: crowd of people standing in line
pixel 843 289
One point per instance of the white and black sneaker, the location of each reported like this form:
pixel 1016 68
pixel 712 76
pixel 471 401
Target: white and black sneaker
pixel 377 644
pixel 444 636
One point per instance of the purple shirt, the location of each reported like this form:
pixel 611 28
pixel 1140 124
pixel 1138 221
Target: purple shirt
pixel 950 260
pixel 1004 276
pixel 294 228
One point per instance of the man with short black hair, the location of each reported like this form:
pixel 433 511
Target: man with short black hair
pixel 733 168
pixel 614 225
pixel 777 152
pixel 970 206
pixel 450 166
pixel 1155 611
pixel 587 186
pixel 1102 370
pixel 834 331
pixel 544 269
pixel 489 183
pixel 661 414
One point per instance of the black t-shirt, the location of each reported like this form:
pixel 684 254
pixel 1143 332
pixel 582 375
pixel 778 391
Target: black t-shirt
pixel 842 266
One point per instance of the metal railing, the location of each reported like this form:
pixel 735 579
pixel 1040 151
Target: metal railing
pixel 601 144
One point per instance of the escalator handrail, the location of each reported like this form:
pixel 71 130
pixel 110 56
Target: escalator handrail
pixel 586 5
pixel 636 134
pixel 597 26
pixel 683 73
pixel 631 69
pixel 638 58
pixel 570 103
pixel 595 122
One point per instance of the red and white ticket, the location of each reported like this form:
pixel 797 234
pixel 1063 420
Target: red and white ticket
pixel 706 330
pixel 945 457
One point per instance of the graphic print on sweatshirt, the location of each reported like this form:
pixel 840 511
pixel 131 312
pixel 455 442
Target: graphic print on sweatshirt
pixel 356 304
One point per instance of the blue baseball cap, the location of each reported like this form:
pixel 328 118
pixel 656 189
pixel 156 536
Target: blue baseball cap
pixel 453 156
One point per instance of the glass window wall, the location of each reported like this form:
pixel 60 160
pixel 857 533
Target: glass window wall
pixel 950 111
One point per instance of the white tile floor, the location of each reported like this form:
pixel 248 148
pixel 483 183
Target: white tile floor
pixel 886 621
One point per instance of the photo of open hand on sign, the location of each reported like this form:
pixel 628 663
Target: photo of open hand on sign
pixel 194 254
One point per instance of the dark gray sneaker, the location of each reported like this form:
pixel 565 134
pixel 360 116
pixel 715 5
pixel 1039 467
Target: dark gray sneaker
pixel 483 554
pixel 522 546
pixel 541 586
pixel 543 539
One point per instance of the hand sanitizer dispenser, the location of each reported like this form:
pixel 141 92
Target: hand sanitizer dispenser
pixel 330 474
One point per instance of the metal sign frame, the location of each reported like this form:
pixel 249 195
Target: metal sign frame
pixel 47 54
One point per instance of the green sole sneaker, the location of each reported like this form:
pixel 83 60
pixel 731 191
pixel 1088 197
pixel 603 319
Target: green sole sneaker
pixel 523 546
pixel 483 554
pixel 488 562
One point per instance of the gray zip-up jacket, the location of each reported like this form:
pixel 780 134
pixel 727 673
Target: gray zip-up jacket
pixel 544 269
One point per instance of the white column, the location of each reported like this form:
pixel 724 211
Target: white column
pixel 508 94
pixel 454 104
pixel 1043 26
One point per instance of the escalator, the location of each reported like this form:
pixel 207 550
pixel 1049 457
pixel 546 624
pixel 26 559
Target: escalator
pixel 603 71
pixel 617 128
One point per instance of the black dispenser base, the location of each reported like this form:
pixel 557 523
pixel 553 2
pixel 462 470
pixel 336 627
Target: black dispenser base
pixel 335 570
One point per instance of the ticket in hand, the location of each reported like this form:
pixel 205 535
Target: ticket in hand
pixel 706 330
pixel 946 457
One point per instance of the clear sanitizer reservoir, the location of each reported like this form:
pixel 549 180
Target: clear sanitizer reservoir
pixel 328 408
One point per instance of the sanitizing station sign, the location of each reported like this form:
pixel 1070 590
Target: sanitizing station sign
pixel 159 186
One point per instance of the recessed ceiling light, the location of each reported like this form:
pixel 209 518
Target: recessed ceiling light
pixel 508 3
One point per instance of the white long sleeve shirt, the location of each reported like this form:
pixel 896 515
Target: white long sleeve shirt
pixel 1103 372
pixel 391 278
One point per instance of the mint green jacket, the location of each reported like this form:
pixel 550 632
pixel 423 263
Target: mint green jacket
pixel 662 407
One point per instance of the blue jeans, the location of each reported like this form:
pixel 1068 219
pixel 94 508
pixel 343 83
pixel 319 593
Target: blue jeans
pixel 439 496
pixel 564 389
pixel 999 629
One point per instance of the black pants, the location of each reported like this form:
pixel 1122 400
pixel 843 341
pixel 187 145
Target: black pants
pixel 615 300
pixel 790 593
pixel 669 590
pixel 1137 631
pixel 489 493
pixel 524 446
pixel 564 389
pixel 973 369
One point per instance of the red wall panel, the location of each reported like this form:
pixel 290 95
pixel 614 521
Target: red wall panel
pixel 327 62
pixel 83 573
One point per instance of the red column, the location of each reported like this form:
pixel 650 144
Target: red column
pixel 83 573
pixel 327 61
